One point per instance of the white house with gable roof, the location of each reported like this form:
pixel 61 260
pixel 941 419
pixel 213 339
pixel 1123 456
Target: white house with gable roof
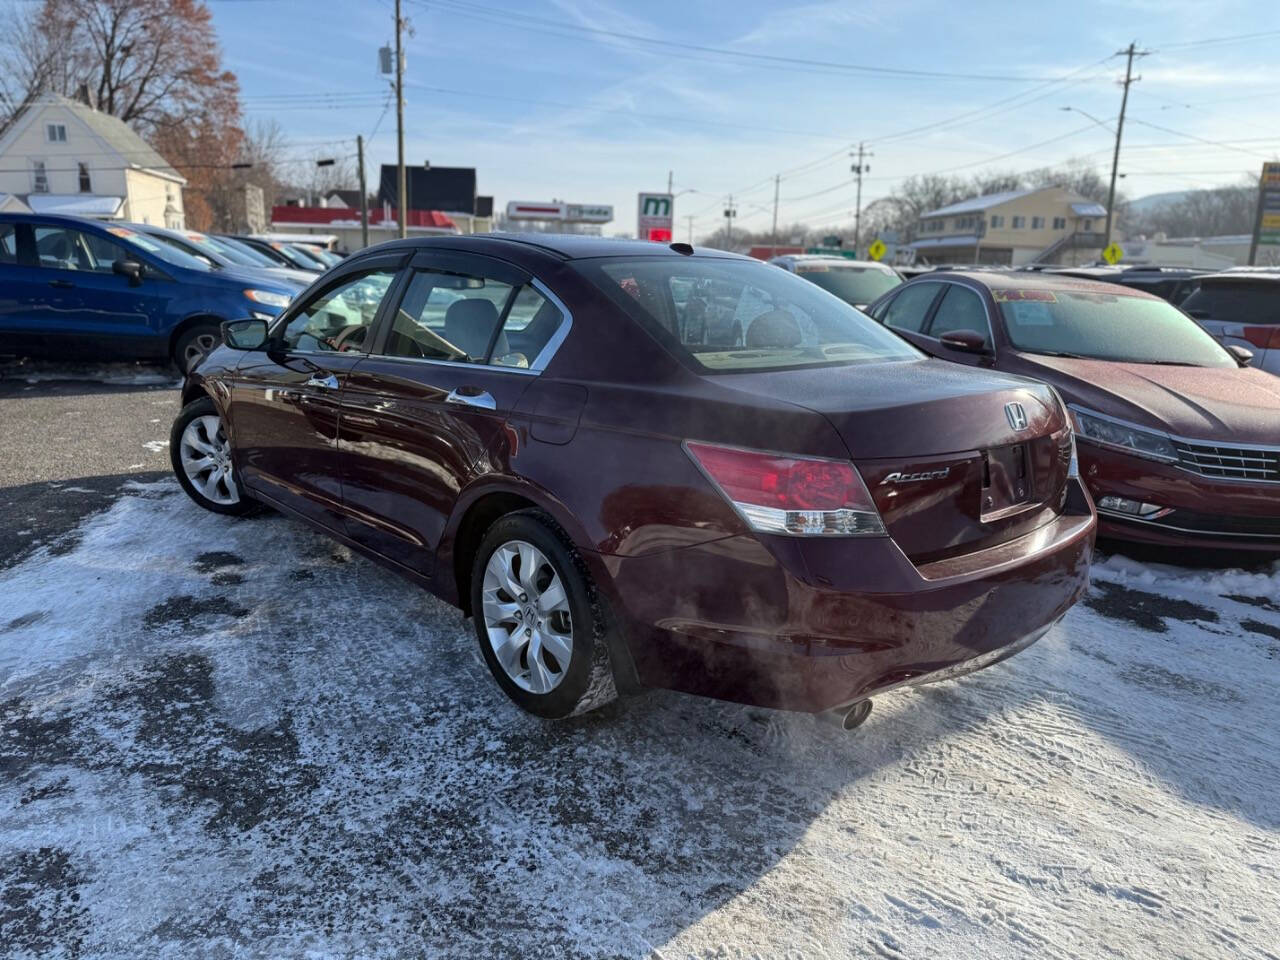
pixel 62 156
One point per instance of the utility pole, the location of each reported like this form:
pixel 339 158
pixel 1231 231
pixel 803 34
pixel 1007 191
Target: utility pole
pixel 364 192
pixel 670 176
pixel 777 179
pixel 859 169
pixel 729 214
pixel 1129 78
pixel 690 217
pixel 400 185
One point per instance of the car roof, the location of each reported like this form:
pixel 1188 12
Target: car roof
pixel 1247 274
pixel 1012 280
pixel 562 246
pixel 831 258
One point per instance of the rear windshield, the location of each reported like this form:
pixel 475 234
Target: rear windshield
pixel 1106 326
pixel 736 315
pixel 1246 302
pixel 856 285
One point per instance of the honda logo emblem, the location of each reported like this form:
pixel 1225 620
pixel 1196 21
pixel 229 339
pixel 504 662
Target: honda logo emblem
pixel 1017 416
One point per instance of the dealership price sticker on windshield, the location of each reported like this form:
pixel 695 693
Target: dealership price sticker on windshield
pixel 1013 296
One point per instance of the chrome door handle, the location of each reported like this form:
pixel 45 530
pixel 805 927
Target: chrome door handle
pixel 328 383
pixel 481 400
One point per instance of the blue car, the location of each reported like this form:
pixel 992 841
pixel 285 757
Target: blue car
pixel 72 288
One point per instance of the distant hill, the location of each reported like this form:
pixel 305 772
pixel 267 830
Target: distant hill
pixel 1152 202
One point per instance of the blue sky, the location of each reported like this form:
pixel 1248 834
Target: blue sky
pixel 543 108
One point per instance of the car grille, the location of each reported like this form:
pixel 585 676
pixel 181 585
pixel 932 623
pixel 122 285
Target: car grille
pixel 1232 463
pixel 1222 525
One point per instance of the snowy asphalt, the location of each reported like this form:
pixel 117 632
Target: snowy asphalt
pixel 232 738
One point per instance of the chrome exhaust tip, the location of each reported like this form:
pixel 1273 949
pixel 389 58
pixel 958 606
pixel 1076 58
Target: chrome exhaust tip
pixel 848 717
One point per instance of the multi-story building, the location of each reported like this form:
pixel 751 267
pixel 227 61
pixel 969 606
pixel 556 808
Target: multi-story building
pixel 63 156
pixel 1047 225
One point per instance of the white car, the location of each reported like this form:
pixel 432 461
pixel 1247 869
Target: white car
pixel 856 282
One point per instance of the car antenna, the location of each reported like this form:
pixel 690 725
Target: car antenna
pixel 683 248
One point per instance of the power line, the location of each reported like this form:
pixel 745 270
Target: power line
pixel 508 15
pixel 1206 41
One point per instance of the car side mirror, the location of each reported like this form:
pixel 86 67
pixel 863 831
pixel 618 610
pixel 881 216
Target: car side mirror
pixel 965 341
pixel 247 334
pixel 128 268
pixel 1243 355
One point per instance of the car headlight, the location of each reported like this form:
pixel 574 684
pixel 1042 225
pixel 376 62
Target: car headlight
pixel 1109 432
pixel 269 298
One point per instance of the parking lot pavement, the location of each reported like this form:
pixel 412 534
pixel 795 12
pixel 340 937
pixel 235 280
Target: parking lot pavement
pixel 233 738
pixel 69 438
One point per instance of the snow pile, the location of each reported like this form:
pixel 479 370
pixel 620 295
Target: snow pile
pixel 233 738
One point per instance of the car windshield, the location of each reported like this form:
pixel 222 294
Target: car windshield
pixel 856 285
pixel 736 315
pixel 296 256
pixel 1106 326
pixel 162 251
pixel 186 247
pixel 224 251
pixel 249 257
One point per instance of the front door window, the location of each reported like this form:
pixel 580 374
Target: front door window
pixel 338 319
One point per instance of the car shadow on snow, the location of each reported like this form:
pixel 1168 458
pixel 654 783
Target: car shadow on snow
pixel 301 750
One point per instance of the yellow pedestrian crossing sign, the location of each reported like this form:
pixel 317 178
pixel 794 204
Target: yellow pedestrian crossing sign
pixel 877 249
pixel 1113 254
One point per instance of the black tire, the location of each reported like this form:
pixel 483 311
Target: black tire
pixel 587 682
pixel 204 407
pixel 192 345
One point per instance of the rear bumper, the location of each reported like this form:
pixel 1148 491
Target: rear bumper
pixel 1206 513
pixel 811 624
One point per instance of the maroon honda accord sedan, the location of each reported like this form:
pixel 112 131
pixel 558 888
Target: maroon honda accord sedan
pixel 1179 438
pixel 544 432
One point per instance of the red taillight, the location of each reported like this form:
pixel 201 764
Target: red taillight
pixel 780 494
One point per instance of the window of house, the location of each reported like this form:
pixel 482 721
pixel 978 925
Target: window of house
pixel 1087 225
pixel 997 221
pixel 39 177
pixel 55 132
pixel 1059 223
pixel 1019 222
pixel 1037 223
pixel 86 185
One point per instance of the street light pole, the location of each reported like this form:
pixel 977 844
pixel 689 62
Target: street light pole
pixel 859 169
pixel 1129 78
pixel 364 193
pixel 777 179
pixel 400 178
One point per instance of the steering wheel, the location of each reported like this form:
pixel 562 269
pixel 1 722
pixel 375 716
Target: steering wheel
pixel 347 339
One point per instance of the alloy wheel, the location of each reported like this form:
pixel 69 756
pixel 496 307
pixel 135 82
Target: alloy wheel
pixel 526 616
pixel 197 348
pixel 206 459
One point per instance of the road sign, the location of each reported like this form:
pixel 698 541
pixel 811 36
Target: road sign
pixel 1268 225
pixel 877 249
pixel 1113 254
pixel 555 210
pixel 654 217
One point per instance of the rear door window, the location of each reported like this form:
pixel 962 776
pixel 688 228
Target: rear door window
pixel 8 243
pixel 448 316
pixel 910 307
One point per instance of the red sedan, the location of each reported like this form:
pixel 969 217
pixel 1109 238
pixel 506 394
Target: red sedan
pixel 545 432
pixel 1179 436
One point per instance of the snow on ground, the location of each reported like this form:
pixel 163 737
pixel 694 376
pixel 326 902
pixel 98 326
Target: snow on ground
pixel 124 373
pixel 226 738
